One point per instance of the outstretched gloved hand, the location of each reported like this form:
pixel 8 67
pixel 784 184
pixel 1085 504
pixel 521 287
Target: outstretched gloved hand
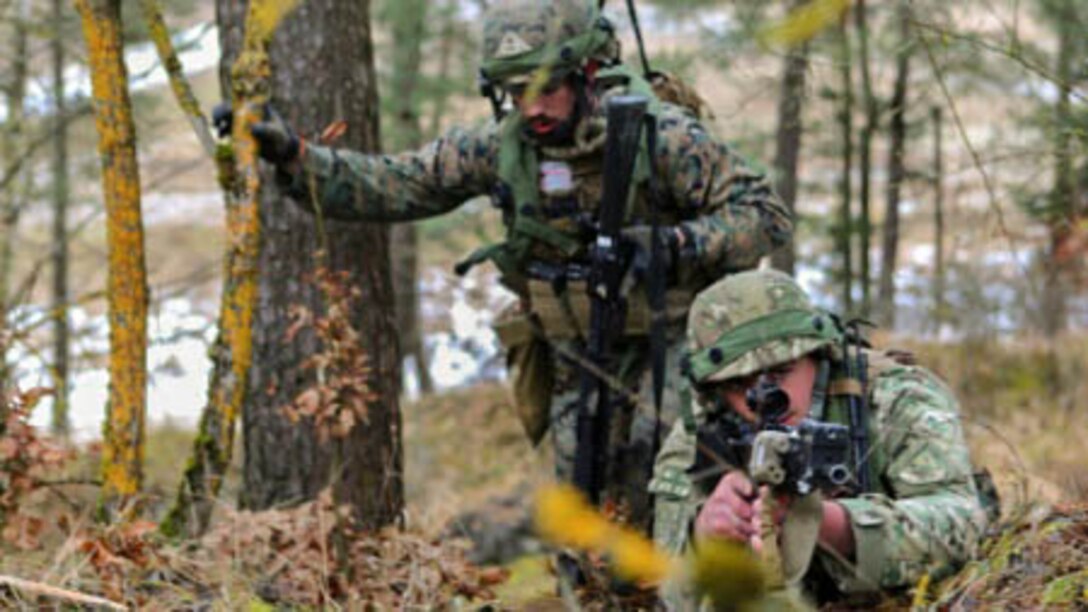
pixel 276 141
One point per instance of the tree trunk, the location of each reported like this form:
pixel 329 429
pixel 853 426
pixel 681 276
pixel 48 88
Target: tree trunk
pixel 123 444
pixel 897 133
pixel 1062 206
pixel 232 353
pixel 61 327
pixel 408 19
pixel 788 141
pixel 865 165
pixel 845 234
pixel 13 193
pixel 322 71
pixel 939 309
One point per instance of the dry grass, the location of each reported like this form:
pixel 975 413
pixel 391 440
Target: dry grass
pixel 462 448
pixel 1022 402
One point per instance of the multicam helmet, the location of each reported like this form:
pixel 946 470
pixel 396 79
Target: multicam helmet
pixel 521 36
pixel 752 321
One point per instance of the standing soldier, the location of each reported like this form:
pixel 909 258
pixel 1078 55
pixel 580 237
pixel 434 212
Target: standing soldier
pixel 550 68
pixel 904 504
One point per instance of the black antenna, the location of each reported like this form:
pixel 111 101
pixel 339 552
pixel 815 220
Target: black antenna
pixel 638 37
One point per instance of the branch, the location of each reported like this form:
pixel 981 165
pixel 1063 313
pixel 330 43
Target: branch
pixel 987 181
pixel 1009 52
pixel 12 170
pixel 168 56
pixel 46 590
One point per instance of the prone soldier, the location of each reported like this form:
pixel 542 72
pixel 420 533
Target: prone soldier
pixel 834 516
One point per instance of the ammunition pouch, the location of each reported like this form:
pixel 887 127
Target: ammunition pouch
pixel 532 370
pixel 525 335
pixel 566 315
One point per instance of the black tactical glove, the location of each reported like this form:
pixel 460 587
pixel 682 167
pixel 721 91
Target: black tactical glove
pixel 276 141
pixel 638 239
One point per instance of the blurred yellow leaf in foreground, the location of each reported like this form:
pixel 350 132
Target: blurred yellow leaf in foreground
pixel 804 22
pixel 724 571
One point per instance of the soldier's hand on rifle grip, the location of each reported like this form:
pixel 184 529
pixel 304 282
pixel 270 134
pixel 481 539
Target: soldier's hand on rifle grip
pixel 731 511
pixel 276 141
pixel 639 239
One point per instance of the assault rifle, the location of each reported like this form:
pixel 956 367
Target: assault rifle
pixel 794 459
pixel 608 307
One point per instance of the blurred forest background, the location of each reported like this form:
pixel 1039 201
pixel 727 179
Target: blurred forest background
pixel 935 154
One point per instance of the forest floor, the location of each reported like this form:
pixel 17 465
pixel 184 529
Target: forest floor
pixel 470 476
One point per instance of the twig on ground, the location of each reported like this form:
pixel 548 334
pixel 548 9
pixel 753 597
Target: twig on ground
pixel 46 590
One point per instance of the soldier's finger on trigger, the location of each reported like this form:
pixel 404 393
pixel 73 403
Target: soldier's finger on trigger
pixel 740 524
pixel 719 520
pixel 740 507
pixel 726 487
pixel 742 485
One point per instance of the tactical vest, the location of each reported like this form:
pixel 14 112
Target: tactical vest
pixel 548 198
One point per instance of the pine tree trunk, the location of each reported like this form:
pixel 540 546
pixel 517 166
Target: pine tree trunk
pixel 322 71
pixel 897 133
pixel 788 142
pixel 1062 205
pixel 939 308
pixel 844 235
pixel 123 444
pixel 865 164
pixel 61 327
pixel 408 20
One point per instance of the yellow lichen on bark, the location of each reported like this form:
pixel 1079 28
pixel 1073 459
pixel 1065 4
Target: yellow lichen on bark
pixel 239 177
pixel 123 444
pixel 250 78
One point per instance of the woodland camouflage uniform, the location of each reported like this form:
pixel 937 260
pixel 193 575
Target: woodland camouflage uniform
pixel 924 514
pixel 727 213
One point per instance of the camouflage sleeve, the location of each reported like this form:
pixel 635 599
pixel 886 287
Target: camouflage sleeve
pixel 931 520
pixel 437 178
pixel 677 501
pixel 734 216
pixel 676 498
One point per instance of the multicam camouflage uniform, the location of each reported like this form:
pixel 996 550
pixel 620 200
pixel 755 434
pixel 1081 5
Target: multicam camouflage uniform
pixel 727 213
pixel 924 514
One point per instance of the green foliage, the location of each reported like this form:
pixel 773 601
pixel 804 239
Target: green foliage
pixel 530 578
pixel 1067 590
pixel 1034 559
pixel 447 70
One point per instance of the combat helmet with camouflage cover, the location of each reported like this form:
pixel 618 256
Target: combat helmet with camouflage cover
pixel 752 321
pixel 522 36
